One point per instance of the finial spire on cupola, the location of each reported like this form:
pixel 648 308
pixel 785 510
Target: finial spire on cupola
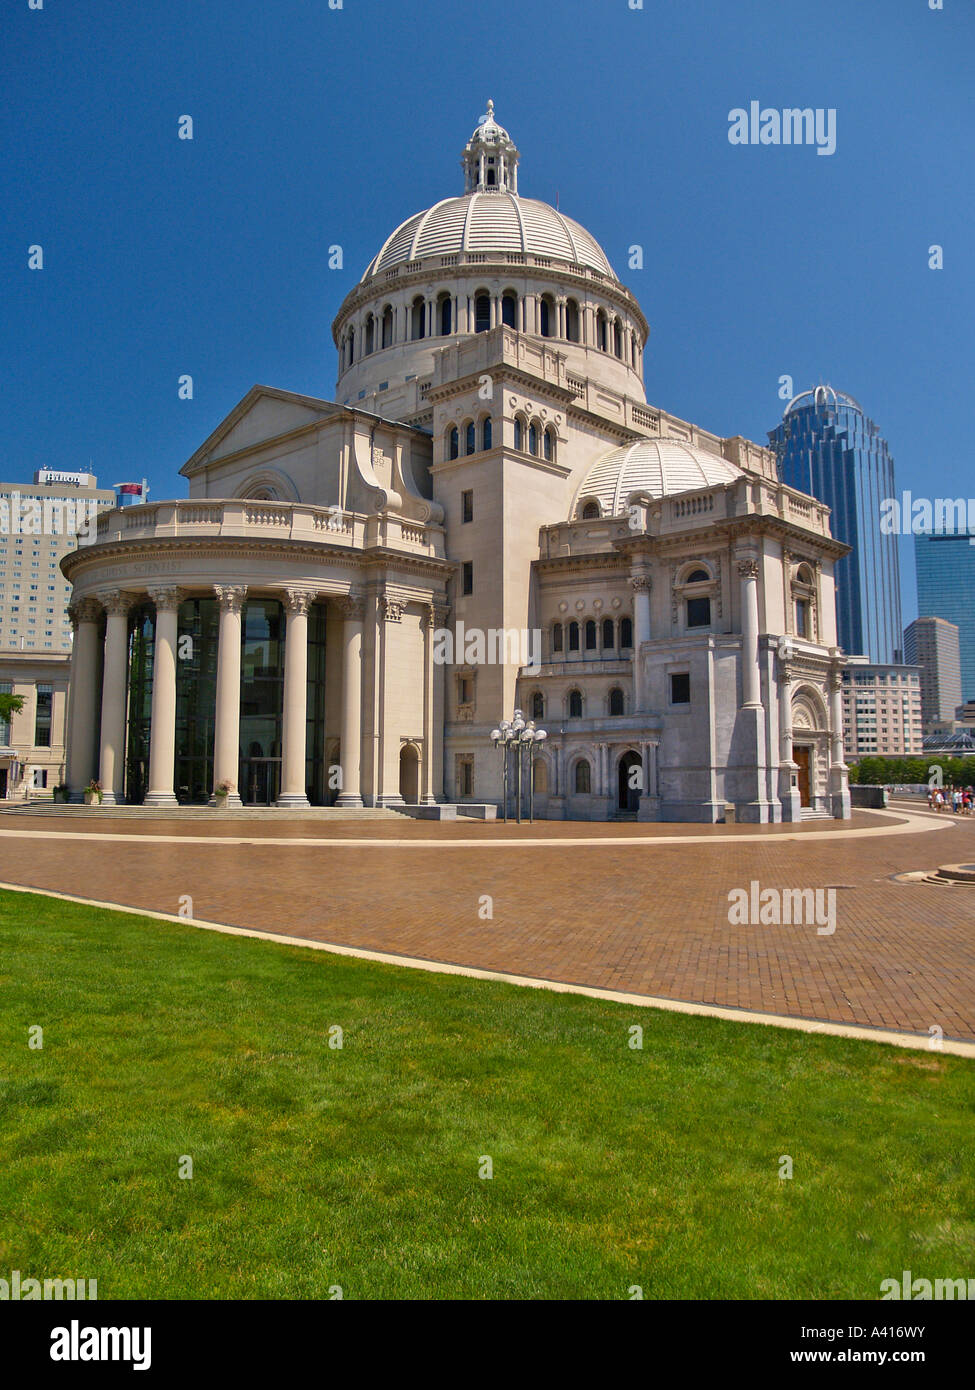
pixel 490 158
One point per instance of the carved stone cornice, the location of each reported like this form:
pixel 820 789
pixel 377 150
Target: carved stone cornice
pixel 231 597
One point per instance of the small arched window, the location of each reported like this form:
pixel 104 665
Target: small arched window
pixel 470 438
pixel 446 315
pixel 418 319
pixel 590 511
pixel 388 326
pixel 575 704
pixel 486 433
pixel 482 313
pixel 616 701
pixel 557 637
pixel 573 637
pixel 519 433
pixel 509 310
pixel 617 338
pixel 351 346
pixel 626 632
pixel 538 705
pixel 548 444
pixel 533 438
pixel 572 320
pixel 601 338
pixel 582 777
pixel 370 335
pixel 698 577
pixel 546 311
pixel 609 636
pixel 590 635
pixel 453 443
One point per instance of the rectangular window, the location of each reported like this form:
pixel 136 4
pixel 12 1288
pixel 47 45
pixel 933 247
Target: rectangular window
pixel 467 504
pixel 465 777
pixel 802 617
pixel 467 581
pixel 42 716
pixel 680 688
pixel 40 778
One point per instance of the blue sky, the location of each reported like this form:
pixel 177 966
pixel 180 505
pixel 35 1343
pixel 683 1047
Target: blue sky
pixel 315 126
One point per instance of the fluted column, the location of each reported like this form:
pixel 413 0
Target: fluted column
pixel 84 615
pixel 111 772
pixel 641 586
pixel 226 738
pixel 352 609
pixel 162 730
pixel 295 714
pixel 750 685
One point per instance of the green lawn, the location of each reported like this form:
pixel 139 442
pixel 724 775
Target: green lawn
pixel 358 1167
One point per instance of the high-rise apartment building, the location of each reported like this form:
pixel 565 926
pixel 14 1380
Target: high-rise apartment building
pixel 828 447
pixel 932 644
pixel 881 709
pixel 39 523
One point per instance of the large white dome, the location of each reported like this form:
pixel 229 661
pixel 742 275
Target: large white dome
pixel 658 467
pixel 490 221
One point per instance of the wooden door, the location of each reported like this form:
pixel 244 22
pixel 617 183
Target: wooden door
pixel 800 756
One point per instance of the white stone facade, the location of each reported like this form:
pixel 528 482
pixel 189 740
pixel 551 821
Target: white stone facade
pixel 490 461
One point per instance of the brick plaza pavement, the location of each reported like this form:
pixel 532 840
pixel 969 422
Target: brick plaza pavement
pixel 639 908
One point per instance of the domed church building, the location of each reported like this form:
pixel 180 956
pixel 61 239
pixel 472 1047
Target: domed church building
pixel 487 516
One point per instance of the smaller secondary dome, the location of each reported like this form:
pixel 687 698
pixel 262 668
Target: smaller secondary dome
pixel 658 467
pixel 488 129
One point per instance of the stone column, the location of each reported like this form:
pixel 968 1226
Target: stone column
pixel 114 695
pixel 789 794
pixel 84 615
pixel 641 585
pixel 162 731
pixel 750 686
pixel 839 786
pixel 353 609
pixel 226 737
pixel 295 713
pixel 748 789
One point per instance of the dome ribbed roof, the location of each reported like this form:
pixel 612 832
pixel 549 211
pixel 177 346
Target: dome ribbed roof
pixel 659 467
pixel 492 221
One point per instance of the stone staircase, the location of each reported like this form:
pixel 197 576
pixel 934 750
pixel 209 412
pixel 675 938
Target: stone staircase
pixel 814 813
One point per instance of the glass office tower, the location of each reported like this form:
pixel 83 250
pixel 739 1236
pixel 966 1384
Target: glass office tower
pixel 945 564
pixel 826 446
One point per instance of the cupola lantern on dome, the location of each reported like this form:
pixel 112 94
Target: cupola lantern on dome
pixel 490 158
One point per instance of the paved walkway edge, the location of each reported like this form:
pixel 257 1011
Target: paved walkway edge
pixel 643 1001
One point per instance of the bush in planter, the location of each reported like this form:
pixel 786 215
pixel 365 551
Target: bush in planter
pixel 93 793
pixel 61 792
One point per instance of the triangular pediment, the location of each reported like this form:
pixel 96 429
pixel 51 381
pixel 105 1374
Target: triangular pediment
pixel 264 414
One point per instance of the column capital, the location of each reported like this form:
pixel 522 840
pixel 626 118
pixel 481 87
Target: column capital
pixel 392 608
pixel 116 600
pixel 230 597
pixel 641 583
pixel 83 610
pixel 836 680
pixel 748 567
pixel 297 601
pixel 167 597
pixel 352 607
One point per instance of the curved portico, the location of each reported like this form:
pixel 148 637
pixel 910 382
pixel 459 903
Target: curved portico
pixel 189 636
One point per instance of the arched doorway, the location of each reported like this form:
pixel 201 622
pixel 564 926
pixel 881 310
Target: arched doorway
pixel 630 782
pixel 409 774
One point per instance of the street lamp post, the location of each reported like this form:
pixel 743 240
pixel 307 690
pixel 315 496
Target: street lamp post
pixel 519 735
